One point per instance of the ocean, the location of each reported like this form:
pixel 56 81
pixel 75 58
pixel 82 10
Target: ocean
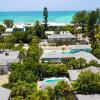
pixel 33 16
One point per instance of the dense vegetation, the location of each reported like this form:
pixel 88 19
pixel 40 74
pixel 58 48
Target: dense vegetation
pixel 87 83
pixel 90 23
pixel 25 74
pixel 62 91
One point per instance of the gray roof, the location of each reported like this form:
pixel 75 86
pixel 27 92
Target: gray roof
pixel 87 56
pixel 61 36
pixel 53 55
pixel 75 73
pixel 4 93
pixel 79 47
pixel 12 57
pixel 88 97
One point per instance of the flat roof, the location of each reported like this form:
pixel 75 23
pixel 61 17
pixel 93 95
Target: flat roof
pixel 56 24
pixel 88 97
pixel 79 47
pixel 11 57
pixel 53 55
pixel 4 93
pixel 61 36
pixel 87 56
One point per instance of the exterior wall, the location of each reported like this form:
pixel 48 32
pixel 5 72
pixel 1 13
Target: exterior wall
pixel 4 69
pixel 62 39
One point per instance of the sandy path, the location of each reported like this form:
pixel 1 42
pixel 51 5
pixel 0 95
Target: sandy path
pixel 4 79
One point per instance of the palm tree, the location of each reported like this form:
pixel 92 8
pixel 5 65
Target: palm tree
pixel 91 25
pixel 45 14
pixel 8 23
pixel 64 91
pixel 2 29
pixel 42 95
pixel 81 63
pixel 51 93
pixel 80 19
pixel 98 19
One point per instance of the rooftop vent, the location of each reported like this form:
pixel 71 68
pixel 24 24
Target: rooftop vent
pixel 6 54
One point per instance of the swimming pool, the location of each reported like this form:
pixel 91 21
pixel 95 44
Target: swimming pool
pixel 54 80
pixel 68 53
pixel 72 51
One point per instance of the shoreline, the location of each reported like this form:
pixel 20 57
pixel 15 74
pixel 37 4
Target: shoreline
pixel 49 24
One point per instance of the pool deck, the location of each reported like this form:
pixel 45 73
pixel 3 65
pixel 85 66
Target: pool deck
pixel 43 85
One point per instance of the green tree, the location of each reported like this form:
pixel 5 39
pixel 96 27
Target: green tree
pixel 91 25
pixel 42 95
pixel 64 91
pixel 45 14
pixel 80 19
pixel 34 50
pixel 39 30
pixel 27 69
pixel 9 23
pixel 21 36
pixel 17 98
pixel 87 82
pixel 98 37
pixel 94 63
pixel 98 19
pixel 96 52
pixel 73 64
pixel 51 93
pixel 23 89
pixel 82 63
pixel 2 29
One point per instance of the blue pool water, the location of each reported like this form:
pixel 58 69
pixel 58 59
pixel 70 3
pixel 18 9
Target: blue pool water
pixel 32 16
pixel 68 53
pixel 54 80
pixel 75 51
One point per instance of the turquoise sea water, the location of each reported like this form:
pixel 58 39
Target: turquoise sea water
pixel 25 17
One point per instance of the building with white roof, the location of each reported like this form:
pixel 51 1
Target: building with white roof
pixel 53 24
pixel 9 30
pixel 29 24
pixel 4 94
pixel 49 32
pixel 62 36
pixel 19 27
